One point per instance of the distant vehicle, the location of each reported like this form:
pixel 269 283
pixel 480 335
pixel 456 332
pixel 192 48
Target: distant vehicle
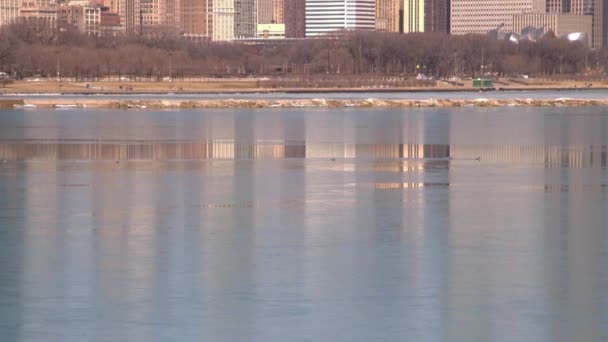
pixel 3 76
pixel 483 83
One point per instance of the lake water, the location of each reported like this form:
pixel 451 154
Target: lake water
pixel 467 224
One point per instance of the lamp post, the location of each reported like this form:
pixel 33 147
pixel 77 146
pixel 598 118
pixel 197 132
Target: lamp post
pixel 170 67
pixel 58 67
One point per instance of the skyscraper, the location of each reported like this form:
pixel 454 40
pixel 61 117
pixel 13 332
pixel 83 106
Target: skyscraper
pixel 413 16
pixel 566 16
pixel 326 16
pixel 264 11
pixel 436 16
pixel 387 15
pixel 9 11
pixel 245 18
pixel 481 16
pixel 196 18
pixel 425 16
pixel 594 8
pixel 294 16
pixel 277 11
pixel 223 20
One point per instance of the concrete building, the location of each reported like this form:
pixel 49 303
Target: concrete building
pixel 92 20
pixel 223 20
pixel 129 13
pixel 437 16
pixel 294 17
pixel 41 10
pixel 594 8
pixel 327 16
pixel 560 23
pixel 109 23
pixel 196 18
pixel 413 16
pixel 9 11
pixel 265 11
pixel 387 15
pixel 245 18
pixel 152 15
pixel 426 16
pixel 277 11
pixel 85 18
pixel 271 31
pixel 481 16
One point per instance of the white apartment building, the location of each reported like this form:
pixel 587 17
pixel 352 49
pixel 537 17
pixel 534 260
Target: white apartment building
pixel 481 16
pixel 9 11
pixel 326 16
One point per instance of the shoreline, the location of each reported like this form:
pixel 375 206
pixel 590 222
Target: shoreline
pixel 95 92
pixel 59 103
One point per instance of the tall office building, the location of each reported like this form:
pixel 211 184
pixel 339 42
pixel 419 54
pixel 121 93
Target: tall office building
pixel 41 10
pixel 387 15
pixel 172 15
pixel 196 18
pixel 277 11
pixel 245 18
pixel 152 14
pixel 9 11
pixel 481 16
pixel 413 16
pixel 594 8
pixel 129 13
pixel 567 16
pixel 264 11
pixel 560 23
pixel 436 16
pixel 294 17
pixel 326 16
pixel 223 20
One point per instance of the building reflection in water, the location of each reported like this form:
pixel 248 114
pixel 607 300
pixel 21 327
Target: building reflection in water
pixel 549 156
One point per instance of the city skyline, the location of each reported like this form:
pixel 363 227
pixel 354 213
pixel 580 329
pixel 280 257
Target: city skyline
pixel 229 20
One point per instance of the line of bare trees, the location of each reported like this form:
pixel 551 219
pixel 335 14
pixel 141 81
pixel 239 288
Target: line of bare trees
pixel 34 49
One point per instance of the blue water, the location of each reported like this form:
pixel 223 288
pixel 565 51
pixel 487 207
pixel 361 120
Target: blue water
pixel 466 224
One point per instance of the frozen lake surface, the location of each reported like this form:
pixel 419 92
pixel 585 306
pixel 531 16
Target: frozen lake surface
pixel 465 224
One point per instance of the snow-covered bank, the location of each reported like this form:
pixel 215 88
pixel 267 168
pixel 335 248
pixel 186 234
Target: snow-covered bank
pixel 299 103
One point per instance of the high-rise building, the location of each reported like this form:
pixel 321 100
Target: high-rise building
pixel 277 11
pixel 245 18
pixel 387 15
pixel 196 18
pixel 264 11
pixel 594 8
pixel 152 14
pixel 9 11
pixel 172 15
pixel 413 16
pixel 223 20
pixel 326 16
pixel 436 16
pixel 129 13
pixel 567 16
pixel 294 17
pixel 425 16
pixel 481 16
pixel 41 10
pixel 560 23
